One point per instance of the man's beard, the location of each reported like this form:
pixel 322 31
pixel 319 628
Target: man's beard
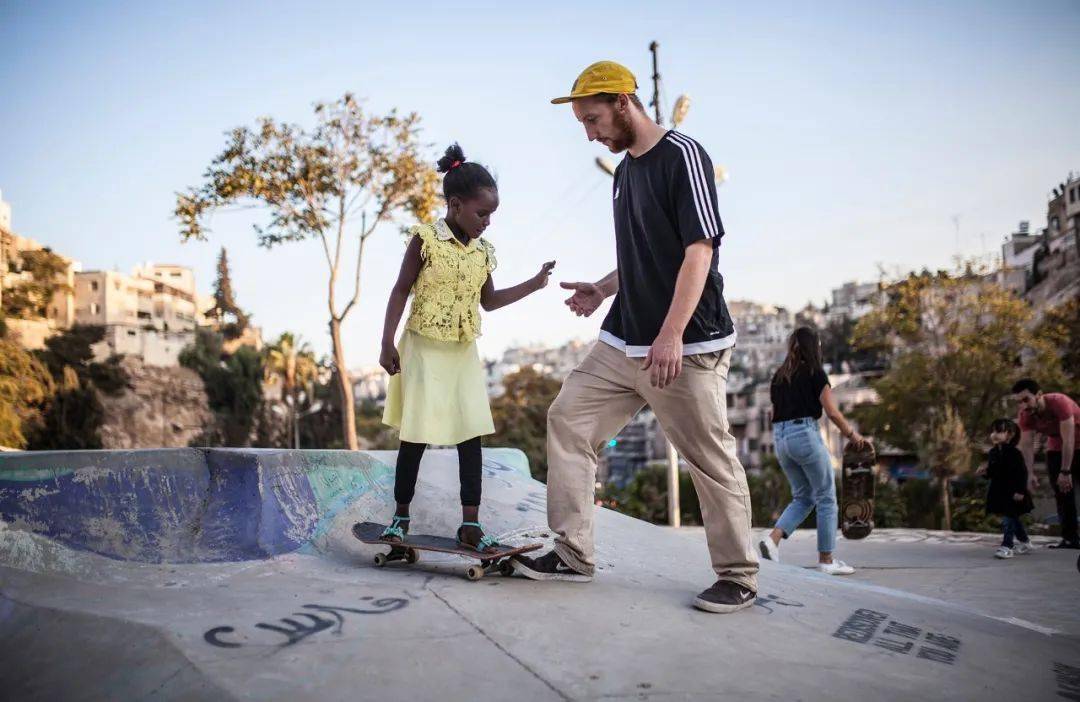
pixel 624 135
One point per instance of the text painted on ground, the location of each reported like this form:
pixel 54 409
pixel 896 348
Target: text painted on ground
pixel 867 626
pixel 300 625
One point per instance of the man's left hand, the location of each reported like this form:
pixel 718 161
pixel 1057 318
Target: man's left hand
pixel 665 359
pixel 1065 482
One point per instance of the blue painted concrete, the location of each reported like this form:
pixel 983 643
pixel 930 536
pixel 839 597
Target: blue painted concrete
pixel 195 505
pixel 180 505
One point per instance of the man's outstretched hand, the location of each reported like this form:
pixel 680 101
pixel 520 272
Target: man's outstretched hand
pixel 586 299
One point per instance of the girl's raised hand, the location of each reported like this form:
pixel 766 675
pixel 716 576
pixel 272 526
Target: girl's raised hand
pixel 540 280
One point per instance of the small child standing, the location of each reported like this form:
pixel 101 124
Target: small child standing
pixel 438 392
pixel 1007 495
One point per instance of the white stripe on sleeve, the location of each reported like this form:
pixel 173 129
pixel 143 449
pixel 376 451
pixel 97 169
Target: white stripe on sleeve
pixel 699 179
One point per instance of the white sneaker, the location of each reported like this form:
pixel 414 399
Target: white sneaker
pixel 1003 552
pixel 835 568
pixel 769 550
pixel 1023 548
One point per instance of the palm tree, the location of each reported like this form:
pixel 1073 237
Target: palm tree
pixel 290 361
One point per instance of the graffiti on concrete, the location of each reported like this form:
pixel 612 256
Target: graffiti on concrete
pixel 211 637
pixel 767 602
pixel 493 468
pixel 1068 681
pixel 317 619
pixel 863 625
pixel 535 501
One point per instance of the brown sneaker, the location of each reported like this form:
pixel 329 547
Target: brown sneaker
pixel 724 597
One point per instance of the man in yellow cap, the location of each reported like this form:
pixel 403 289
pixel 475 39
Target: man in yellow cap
pixel 666 342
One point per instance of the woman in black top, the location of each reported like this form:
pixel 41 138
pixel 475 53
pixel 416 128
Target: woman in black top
pixel 800 392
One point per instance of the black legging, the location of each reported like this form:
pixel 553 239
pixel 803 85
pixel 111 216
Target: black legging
pixel 470 471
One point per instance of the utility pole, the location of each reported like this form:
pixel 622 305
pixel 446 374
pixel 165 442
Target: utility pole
pixel 656 83
pixel 674 518
pixel 672 455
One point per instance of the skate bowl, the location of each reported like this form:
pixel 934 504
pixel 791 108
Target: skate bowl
pixel 232 574
pixel 195 505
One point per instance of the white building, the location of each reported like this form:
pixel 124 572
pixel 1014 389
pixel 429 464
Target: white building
pixel 152 313
pixel 1018 258
pixel 14 259
pixel 1063 215
pixel 1043 266
pixel 763 335
pixel 1018 251
pixel 853 300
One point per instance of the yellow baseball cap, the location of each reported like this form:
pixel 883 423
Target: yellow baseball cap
pixel 601 77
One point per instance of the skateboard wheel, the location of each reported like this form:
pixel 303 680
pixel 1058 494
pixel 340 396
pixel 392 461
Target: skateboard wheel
pixel 380 559
pixel 506 568
pixel 412 555
pixel 474 572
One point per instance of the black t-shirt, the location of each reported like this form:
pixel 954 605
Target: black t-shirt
pixel 801 396
pixel 664 201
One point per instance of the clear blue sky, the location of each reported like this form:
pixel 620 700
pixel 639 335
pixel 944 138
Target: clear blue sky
pixel 853 132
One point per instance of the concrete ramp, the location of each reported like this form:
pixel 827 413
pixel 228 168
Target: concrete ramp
pixel 210 574
pixel 195 505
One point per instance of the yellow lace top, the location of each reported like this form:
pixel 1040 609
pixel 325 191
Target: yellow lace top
pixel 446 295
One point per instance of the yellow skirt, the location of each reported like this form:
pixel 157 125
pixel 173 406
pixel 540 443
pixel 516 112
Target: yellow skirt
pixel 440 395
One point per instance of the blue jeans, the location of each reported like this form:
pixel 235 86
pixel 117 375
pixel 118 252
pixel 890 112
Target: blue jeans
pixel 1012 526
pixel 806 463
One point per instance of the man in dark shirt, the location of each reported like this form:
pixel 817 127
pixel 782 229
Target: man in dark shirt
pixel 666 342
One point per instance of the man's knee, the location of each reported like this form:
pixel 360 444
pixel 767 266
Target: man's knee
pixel 561 414
pixel 557 409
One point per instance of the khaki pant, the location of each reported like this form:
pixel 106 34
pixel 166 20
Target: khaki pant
pixel 597 400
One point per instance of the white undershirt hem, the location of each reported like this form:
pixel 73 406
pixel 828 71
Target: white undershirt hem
pixel 688 349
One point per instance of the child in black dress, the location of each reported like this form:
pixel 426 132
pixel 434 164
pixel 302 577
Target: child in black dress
pixel 1007 495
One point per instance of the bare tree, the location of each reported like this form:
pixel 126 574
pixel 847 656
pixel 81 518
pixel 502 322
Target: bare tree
pixel 350 169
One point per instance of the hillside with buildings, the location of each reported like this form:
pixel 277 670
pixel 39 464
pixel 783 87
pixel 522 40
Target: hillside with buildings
pixel 148 317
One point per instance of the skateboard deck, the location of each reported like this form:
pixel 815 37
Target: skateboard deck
pixel 857 491
pixel 495 560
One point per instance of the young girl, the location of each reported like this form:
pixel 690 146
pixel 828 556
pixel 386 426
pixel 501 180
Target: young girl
pixel 1007 494
pixel 437 392
pixel 800 392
